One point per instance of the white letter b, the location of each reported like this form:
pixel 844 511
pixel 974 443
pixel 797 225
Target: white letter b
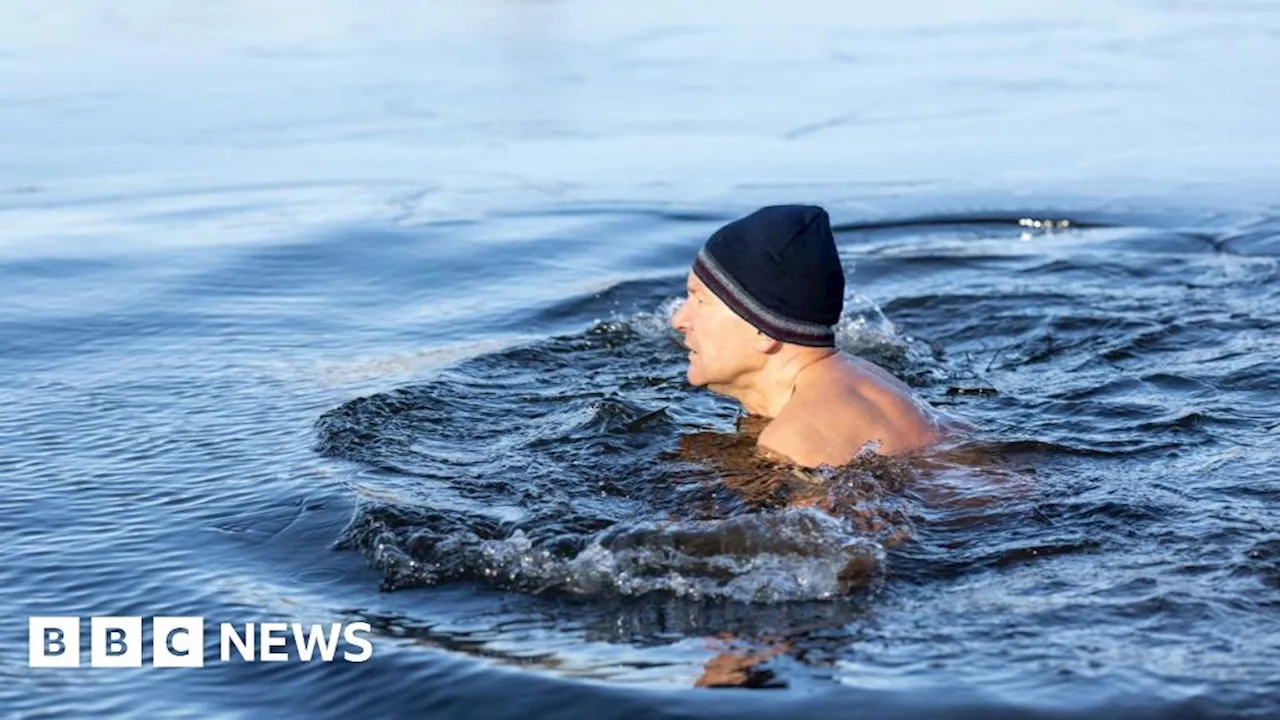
pixel 115 642
pixel 53 642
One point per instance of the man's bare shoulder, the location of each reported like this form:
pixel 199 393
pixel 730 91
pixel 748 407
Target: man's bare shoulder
pixel 829 432
pixel 801 443
pixel 833 418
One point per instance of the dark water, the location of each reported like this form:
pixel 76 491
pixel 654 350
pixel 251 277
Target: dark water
pixel 330 317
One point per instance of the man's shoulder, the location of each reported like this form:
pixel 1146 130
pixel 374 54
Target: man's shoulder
pixel 832 424
pixel 799 441
pixel 833 407
pixel 813 434
pixel 869 397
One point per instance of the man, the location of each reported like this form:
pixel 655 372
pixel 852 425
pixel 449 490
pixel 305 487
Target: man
pixel 763 297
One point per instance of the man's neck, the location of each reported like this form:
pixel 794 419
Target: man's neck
pixel 768 390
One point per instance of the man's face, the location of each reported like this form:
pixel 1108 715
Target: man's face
pixel 723 346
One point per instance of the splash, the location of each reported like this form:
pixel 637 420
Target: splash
pixel 792 555
pixel 582 464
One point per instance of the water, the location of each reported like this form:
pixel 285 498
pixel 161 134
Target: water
pixel 338 311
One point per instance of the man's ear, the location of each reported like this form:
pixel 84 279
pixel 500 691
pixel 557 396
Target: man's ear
pixel 766 344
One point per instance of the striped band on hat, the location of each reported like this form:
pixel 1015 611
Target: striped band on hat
pixel 776 326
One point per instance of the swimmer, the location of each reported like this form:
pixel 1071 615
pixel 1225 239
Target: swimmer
pixel 763 297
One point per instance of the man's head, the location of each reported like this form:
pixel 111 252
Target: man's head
pixel 768 279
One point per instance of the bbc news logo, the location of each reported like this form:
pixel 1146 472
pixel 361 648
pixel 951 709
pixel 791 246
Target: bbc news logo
pixel 179 642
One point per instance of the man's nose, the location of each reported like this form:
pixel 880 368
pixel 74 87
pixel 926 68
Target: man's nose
pixel 678 319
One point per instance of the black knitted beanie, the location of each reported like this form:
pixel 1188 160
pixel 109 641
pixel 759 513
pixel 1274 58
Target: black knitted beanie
pixel 778 269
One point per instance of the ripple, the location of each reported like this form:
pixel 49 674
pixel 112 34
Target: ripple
pixel 586 473
pixel 555 499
